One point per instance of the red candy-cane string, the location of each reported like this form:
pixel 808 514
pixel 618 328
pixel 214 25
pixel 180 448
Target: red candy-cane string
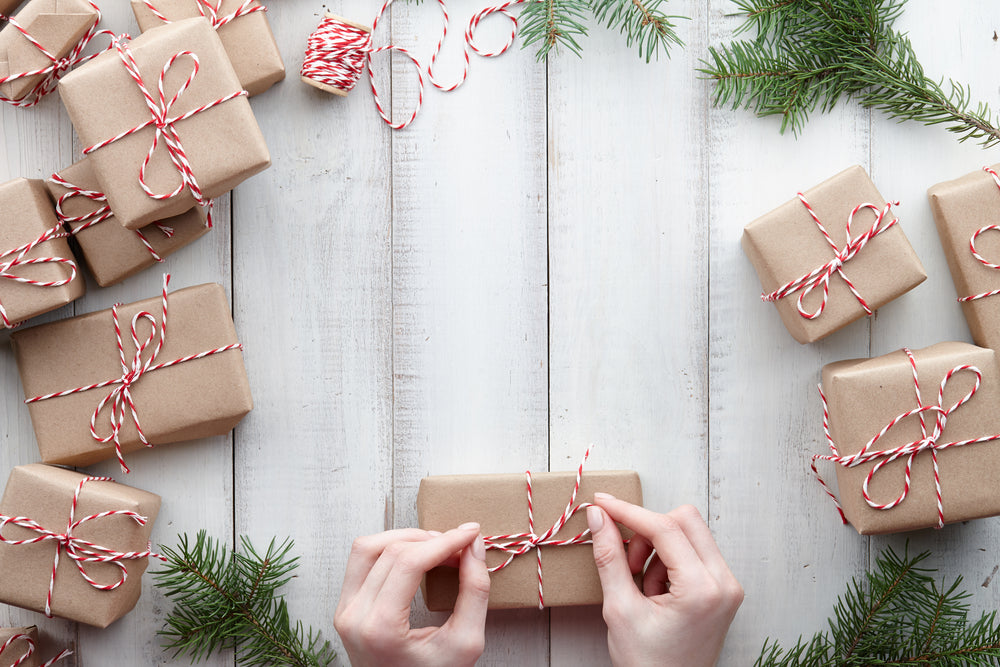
pixel 820 277
pixel 16 258
pixel 212 12
pixel 516 544
pixel 975 253
pixel 120 397
pixel 338 53
pixel 79 550
pixel 31 651
pixel 928 442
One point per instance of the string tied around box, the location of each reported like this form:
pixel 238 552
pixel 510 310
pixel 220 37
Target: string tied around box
pixel 821 276
pixel 930 441
pixel 339 51
pixel 15 258
pixel 213 11
pixel 119 399
pixel 82 552
pixel 975 253
pixel 30 651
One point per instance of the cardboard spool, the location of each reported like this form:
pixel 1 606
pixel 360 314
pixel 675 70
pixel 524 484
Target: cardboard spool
pixel 326 87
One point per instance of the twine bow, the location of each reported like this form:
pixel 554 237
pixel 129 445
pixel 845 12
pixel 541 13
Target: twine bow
pixel 820 277
pixel 122 405
pixel 975 252
pixel 15 258
pixel 928 442
pixel 79 550
pixel 213 12
pixel 31 651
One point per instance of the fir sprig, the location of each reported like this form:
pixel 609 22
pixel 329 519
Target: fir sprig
pixel 808 54
pixel 897 615
pixel 228 599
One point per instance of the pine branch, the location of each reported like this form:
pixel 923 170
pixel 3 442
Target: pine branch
pixel 642 23
pixel 226 600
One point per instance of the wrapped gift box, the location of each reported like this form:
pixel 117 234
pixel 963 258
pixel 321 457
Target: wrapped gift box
pixel 17 649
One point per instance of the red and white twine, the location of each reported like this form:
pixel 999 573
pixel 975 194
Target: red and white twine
pixel 15 258
pixel 820 277
pixel 120 397
pixel 929 442
pixel 975 253
pixel 337 53
pixel 30 651
pixel 80 551
pixel 213 11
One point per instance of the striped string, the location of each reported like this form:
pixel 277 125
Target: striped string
pixel 30 651
pixel 213 12
pixel 929 441
pixel 975 253
pixel 337 53
pixel 80 551
pixel 120 397
pixel 58 66
pixel 820 277
pixel 15 258
pixel 516 544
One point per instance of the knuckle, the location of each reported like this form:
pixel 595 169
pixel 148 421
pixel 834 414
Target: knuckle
pixel 470 648
pixel 736 594
pixel 689 512
pixel 362 546
pixel 480 586
pixel 668 524
pixel 614 612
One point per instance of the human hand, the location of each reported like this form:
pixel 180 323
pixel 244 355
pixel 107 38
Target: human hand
pixel 382 577
pixel 688 599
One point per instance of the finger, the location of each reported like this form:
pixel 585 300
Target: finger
pixel 365 552
pixel 609 556
pixel 467 625
pixel 639 551
pixel 654 581
pixel 698 533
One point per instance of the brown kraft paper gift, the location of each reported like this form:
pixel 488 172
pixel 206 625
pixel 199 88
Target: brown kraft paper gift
pixel 962 207
pixel 499 503
pixel 25 215
pixel 247 37
pixel 194 399
pixel 787 244
pixel 58 25
pixel 17 649
pixel 44 494
pixel 865 395
pixel 223 143
pixel 113 253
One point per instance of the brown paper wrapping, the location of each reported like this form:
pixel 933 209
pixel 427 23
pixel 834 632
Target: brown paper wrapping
pixel 195 399
pixel 500 504
pixel 786 244
pixel 19 647
pixel 960 208
pixel 25 214
pixel 113 253
pixel 248 39
pixel 44 494
pixel 58 25
pixel 864 395
pixel 224 145
pixel 7 7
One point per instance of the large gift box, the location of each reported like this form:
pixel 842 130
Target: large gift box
pixel 197 157
pixel 30 231
pixel 72 372
pixel 967 213
pixel 113 253
pixel 44 500
pixel 831 256
pixel 58 25
pixel 499 503
pixel 242 26
pixel 875 433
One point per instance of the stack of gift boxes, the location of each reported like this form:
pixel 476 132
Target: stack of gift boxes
pixel 167 127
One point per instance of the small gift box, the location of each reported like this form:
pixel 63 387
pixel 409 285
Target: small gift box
pixel 967 213
pixel 915 436
pixel 37 269
pixel 242 26
pixel 207 142
pixel 56 25
pixel 821 278
pixel 19 646
pixel 499 503
pixel 113 253
pixel 55 525
pixel 102 384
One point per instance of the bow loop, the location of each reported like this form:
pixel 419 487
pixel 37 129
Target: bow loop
pixel 15 261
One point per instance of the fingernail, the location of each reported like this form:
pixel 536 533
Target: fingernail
pixel 472 525
pixel 479 549
pixel 433 533
pixel 603 496
pixel 595 518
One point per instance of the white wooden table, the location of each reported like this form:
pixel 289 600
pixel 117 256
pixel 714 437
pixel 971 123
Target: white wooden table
pixel 547 258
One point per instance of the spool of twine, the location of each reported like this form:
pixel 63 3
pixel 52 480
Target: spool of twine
pixel 335 55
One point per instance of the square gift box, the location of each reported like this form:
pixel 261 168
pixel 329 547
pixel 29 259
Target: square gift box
pixel 72 372
pixel 211 151
pixel 499 503
pixel 39 500
pixel 113 253
pixel 818 289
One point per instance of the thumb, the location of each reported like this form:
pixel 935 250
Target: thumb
pixel 609 555
pixel 468 621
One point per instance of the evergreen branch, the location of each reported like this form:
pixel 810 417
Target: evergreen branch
pixel 550 23
pixel 642 23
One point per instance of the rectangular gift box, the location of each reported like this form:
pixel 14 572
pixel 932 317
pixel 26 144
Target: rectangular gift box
pixel 864 395
pixel 25 215
pixel 44 494
pixel 223 144
pixel 786 244
pixel 113 253
pixel 961 207
pixel 17 649
pixel 247 38
pixel 195 399
pixel 58 25
pixel 499 504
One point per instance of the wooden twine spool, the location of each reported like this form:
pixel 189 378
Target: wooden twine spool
pixel 318 59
